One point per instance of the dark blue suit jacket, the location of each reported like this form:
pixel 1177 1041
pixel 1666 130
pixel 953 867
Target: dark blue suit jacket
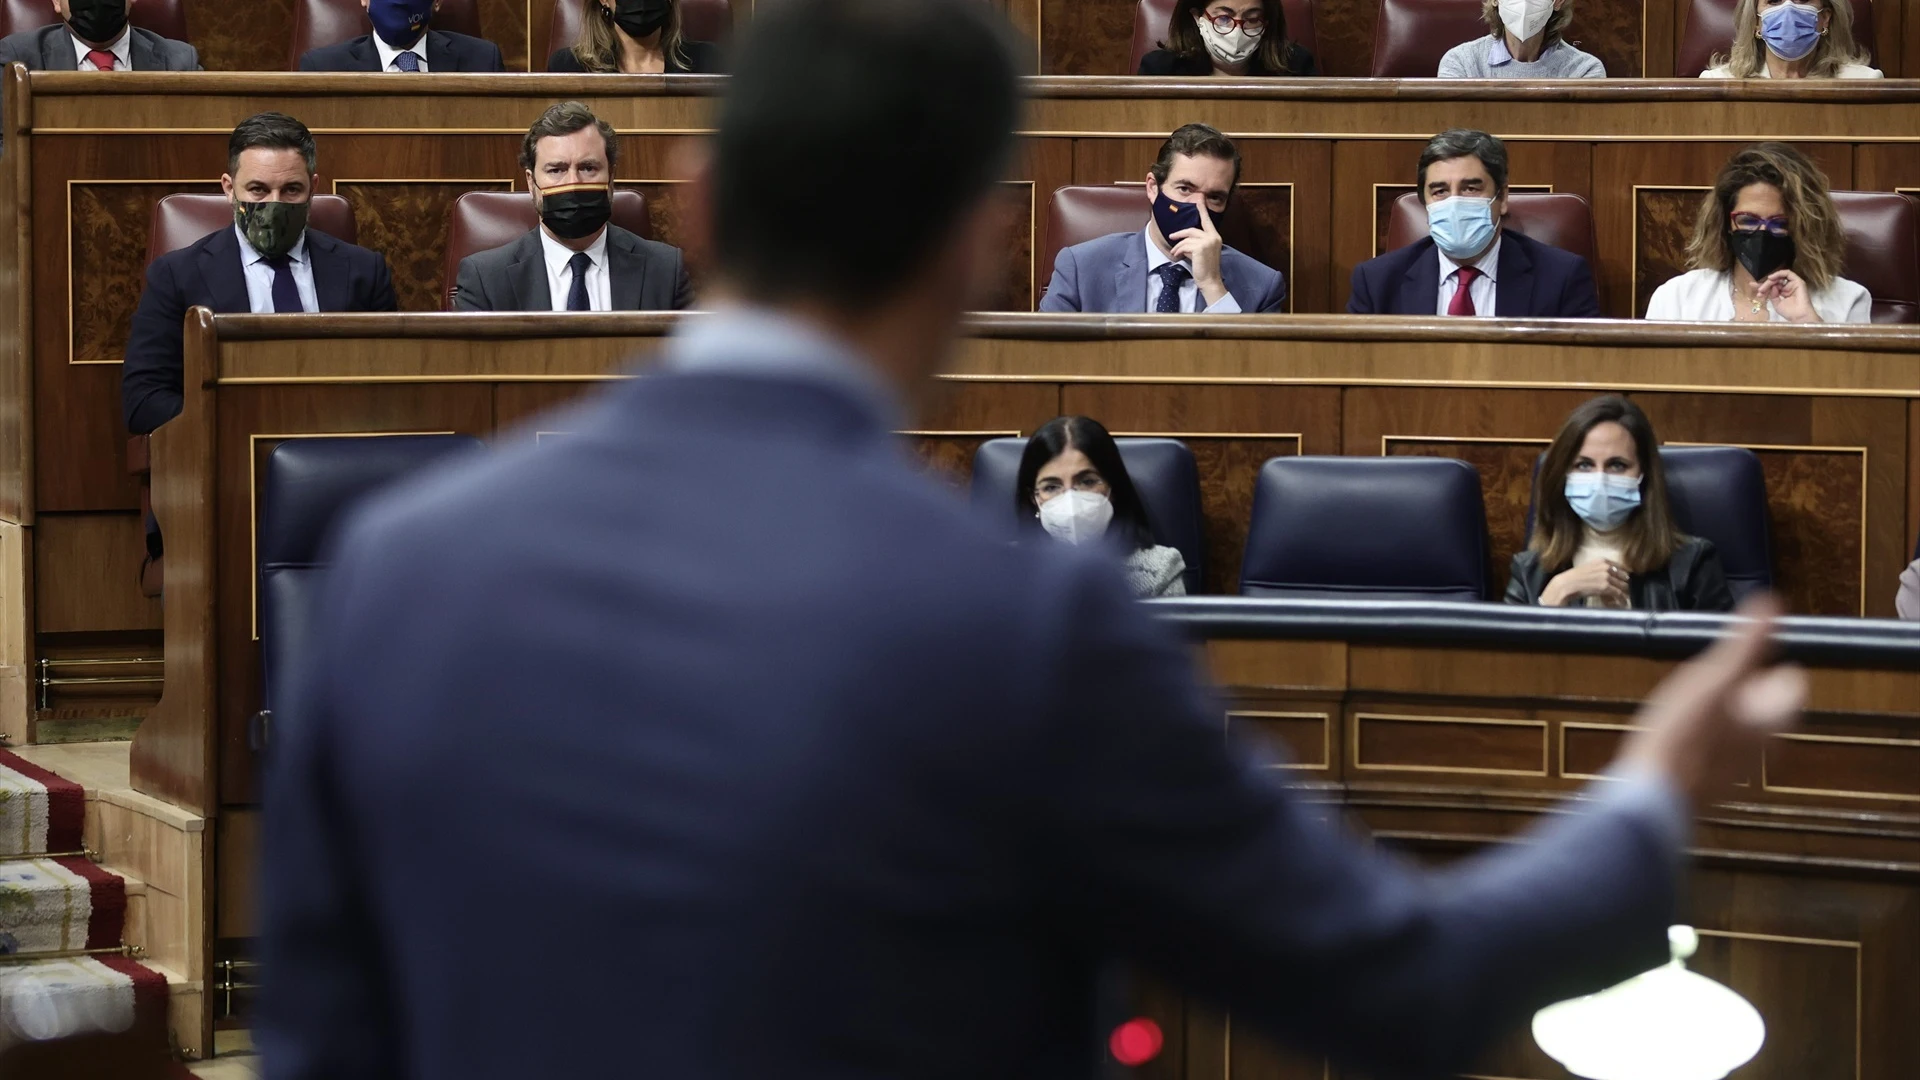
pixel 1536 280
pixel 446 51
pixel 208 273
pixel 722 722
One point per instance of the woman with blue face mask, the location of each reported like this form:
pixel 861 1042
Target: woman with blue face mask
pixel 1792 39
pixel 1073 486
pixel 1603 532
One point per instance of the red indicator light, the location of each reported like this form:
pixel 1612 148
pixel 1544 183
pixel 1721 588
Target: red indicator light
pixel 1136 1042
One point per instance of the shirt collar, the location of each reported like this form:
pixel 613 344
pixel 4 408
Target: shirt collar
pixel 122 49
pixel 1488 263
pixel 388 52
pixel 1155 257
pixel 558 255
pixel 763 343
pixel 251 255
pixel 1500 54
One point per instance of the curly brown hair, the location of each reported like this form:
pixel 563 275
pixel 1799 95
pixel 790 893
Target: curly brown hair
pixel 1819 242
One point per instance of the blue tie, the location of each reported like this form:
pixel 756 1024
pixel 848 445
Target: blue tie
pixel 286 294
pixel 407 61
pixel 1171 276
pixel 577 295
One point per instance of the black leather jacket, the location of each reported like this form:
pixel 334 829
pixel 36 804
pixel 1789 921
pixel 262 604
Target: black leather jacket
pixel 1692 580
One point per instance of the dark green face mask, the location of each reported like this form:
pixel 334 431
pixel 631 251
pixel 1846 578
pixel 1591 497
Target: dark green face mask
pixel 271 227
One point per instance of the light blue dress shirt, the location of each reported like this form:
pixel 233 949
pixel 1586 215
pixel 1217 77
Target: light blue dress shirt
pixel 1189 289
pixel 260 276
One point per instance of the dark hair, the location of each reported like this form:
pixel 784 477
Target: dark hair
pixel 562 120
pixel 271 131
pixel 1459 143
pixel 1196 140
pixel 1274 56
pixel 1085 434
pixel 829 96
pixel 1651 536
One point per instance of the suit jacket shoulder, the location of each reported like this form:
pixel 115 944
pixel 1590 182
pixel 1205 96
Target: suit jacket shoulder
pixel 355 55
pixel 22 48
pixel 462 52
pixel 149 51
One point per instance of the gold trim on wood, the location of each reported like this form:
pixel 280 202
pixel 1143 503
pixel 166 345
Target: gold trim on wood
pixel 1387 440
pixel 1584 725
pixel 1482 721
pixel 1851 740
pixel 1326 733
pixel 71 361
pixel 1633 236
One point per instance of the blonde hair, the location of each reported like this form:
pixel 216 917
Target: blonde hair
pixel 598 49
pixel 1748 56
pixel 1819 241
pixel 1557 23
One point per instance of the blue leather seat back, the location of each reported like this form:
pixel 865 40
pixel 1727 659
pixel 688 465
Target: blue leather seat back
pixel 308 484
pixel 1719 493
pixel 1367 528
pixel 1162 471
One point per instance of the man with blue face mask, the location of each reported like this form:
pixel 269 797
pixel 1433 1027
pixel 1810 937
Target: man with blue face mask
pixel 402 41
pixel 1470 265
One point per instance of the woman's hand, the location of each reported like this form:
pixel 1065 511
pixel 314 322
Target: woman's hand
pixel 1789 296
pixel 1603 578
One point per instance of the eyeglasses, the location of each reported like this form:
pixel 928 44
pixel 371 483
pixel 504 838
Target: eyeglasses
pixel 1755 223
pixel 1224 24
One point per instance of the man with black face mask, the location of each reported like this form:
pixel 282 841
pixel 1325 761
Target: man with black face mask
pixel 266 261
pixel 401 41
pixel 576 259
pixel 94 35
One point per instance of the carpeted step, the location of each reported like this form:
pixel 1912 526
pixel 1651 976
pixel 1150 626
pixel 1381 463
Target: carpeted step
pixel 39 812
pixel 58 905
pixel 47 999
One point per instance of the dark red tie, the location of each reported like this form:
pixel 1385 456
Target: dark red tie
pixel 102 60
pixel 1462 302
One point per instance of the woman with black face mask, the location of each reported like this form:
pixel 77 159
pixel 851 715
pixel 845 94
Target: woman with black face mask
pixel 1767 247
pixel 636 37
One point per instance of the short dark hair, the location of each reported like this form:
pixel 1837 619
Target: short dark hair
pixel 1196 140
pixel 1463 142
pixel 829 95
pixel 562 120
pixel 271 131
pixel 1130 526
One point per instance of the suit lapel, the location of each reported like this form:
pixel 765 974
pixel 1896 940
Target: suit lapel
pixel 58 51
pixel 528 274
pixel 626 270
pixel 141 54
pixel 332 280
pixel 225 275
pixel 1420 287
pixel 1513 293
pixel 365 56
pixel 1130 280
pixel 440 52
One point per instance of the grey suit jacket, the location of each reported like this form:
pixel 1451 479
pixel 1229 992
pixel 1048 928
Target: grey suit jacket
pixel 50 48
pixel 1109 275
pixel 646 276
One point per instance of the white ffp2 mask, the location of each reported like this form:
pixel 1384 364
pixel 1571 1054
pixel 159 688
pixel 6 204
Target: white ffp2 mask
pixel 1524 19
pixel 1078 517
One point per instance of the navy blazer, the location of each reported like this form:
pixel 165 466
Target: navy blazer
pixel 1110 275
pixel 446 51
pixel 1536 280
pixel 772 759
pixel 208 273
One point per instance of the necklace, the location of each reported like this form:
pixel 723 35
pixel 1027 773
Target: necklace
pixel 1758 304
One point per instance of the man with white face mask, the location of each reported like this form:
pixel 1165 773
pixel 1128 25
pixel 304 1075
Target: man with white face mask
pixel 1470 264
pixel 1524 41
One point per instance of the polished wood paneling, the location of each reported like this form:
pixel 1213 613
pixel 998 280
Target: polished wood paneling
pixel 956 418
pixel 1086 37
pixel 87 574
pixel 408 221
pixel 107 235
pixel 251 36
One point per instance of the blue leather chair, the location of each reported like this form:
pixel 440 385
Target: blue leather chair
pixel 1367 528
pixel 1162 471
pixel 309 482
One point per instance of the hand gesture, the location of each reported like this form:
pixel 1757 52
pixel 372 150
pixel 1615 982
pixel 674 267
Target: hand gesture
pixel 1789 296
pixel 1201 248
pixel 1603 578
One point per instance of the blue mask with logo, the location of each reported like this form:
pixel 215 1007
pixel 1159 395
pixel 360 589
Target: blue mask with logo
pixel 1790 30
pixel 1173 217
pixel 1603 500
pixel 1462 226
pixel 400 22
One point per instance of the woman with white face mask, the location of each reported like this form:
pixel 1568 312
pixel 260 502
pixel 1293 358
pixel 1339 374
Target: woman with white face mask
pixel 1792 39
pixel 1074 487
pixel 1525 40
pixel 1227 37
pixel 1603 531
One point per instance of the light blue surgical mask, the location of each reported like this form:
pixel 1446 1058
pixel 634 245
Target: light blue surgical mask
pixel 1462 226
pixel 1603 500
pixel 1791 30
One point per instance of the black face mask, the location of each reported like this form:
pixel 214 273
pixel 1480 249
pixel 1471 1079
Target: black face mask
pixel 98 21
pixel 641 18
pixel 576 210
pixel 1762 252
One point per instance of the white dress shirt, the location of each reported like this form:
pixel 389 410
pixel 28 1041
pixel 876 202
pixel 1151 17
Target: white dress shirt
pixel 1707 296
pixel 1484 288
pixel 260 276
pixel 122 51
pixel 560 276
pixel 388 52
pixel 1189 289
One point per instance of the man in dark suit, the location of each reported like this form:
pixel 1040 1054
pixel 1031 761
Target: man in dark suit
pixel 575 259
pixel 95 36
pixel 1470 264
pixel 1166 269
pixel 771 760
pixel 266 261
pixel 403 41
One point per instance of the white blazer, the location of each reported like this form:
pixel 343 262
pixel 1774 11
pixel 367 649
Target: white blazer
pixel 1847 71
pixel 1707 296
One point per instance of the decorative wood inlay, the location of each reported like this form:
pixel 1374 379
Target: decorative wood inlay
pixel 407 220
pixel 1662 223
pixel 1229 466
pixel 1086 37
pixel 504 22
pixel 1587 749
pixel 1817 498
pixel 108 224
pixel 1849 767
pixel 1307 736
pixel 1506 484
pixel 949 454
pixel 252 35
pixel 1613 33
pixel 1384 742
pixel 1259 223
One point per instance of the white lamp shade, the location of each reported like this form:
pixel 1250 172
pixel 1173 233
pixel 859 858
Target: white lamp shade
pixel 1667 1024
